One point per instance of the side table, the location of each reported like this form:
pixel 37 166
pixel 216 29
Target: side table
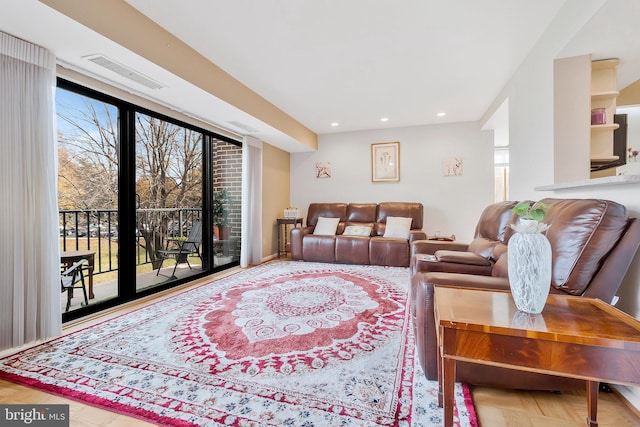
pixel 576 337
pixel 282 226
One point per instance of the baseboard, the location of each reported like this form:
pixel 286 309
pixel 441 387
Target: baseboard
pixel 631 396
pixel 269 257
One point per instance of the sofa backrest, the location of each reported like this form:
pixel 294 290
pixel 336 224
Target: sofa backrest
pixel 362 214
pixel 582 232
pixel 327 210
pixel 398 209
pixel 373 215
pixel 492 230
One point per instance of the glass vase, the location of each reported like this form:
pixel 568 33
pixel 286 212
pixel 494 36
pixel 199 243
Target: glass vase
pixel 529 265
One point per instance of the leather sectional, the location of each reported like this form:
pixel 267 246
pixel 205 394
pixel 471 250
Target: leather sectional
pixel 350 249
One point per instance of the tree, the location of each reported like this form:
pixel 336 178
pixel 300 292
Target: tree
pixel 168 166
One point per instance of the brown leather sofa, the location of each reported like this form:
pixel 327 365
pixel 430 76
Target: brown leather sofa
pixel 372 249
pixel 593 244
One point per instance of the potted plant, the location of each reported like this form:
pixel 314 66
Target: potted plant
pixel 221 228
pixel 530 217
pixel 529 258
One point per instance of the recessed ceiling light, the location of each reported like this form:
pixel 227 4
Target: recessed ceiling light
pixel 334 124
pixel 441 114
pixel 384 119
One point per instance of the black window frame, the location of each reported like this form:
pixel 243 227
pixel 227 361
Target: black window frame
pixel 127 200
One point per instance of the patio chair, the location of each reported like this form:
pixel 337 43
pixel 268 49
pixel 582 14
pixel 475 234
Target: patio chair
pixel 73 278
pixel 180 248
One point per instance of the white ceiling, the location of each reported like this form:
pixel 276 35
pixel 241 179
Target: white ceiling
pixel 356 61
pixel 351 62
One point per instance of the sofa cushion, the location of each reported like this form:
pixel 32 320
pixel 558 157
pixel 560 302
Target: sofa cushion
pixel 407 210
pixel 357 230
pixel 501 267
pixel 494 221
pixel 361 213
pixel 328 210
pixel 397 227
pixel 352 249
pixel 459 257
pixel 582 233
pixel 326 226
pixel 482 246
pixel 319 248
pixel 388 251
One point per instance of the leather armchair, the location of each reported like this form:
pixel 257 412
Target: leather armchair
pixel 593 244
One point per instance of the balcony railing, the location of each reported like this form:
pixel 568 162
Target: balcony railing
pixel 97 230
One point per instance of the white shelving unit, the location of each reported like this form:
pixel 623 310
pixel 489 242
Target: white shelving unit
pixel 603 95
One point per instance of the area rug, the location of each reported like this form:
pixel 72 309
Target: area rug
pixel 281 344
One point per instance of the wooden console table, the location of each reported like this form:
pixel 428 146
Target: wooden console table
pixel 574 337
pixel 68 258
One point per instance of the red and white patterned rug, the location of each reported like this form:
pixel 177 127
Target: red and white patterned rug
pixel 284 344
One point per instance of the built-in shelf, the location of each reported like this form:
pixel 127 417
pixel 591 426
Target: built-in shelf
pixel 605 95
pixel 607 159
pixel 609 126
pixel 595 182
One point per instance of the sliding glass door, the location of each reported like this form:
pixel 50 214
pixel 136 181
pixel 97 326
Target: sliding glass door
pixel 169 202
pixel 150 202
pixel 88 164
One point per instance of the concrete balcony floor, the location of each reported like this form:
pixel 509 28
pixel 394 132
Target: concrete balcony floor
pixel 107 290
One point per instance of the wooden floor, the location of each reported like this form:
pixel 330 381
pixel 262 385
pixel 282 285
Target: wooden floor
pixel 495 407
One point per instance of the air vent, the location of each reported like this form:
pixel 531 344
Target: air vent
pixel 243 126
pixel 120 69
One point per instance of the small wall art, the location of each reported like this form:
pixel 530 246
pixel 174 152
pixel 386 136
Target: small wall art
pixel 323 170
pixel 452 166
pixel 385 162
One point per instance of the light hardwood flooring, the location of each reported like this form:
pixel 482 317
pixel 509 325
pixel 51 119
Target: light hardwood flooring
pixel 495 407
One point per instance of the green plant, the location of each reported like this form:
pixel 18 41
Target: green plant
pixel 220 211
pixel 526 210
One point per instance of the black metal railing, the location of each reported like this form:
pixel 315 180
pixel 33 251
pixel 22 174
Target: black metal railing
pixel 97 230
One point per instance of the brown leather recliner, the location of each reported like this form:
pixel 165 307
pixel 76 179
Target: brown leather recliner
pixel 372 249
pixel 593 244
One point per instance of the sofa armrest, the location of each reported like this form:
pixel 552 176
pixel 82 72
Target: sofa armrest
pixel 467 281
pixel 468 264
pixel 460 257
pixel 415 235
pixel 431 246
pixel 296 241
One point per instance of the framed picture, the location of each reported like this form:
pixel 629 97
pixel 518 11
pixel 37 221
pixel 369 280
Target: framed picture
pixel 323 170
pixel 385 162
pixel 452 166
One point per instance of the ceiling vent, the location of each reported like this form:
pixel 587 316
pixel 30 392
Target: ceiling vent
pixel 120 69
pixel 243 126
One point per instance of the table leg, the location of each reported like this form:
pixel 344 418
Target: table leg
pixel 91 266
pixel 592 403
pixel 440 368
pixel 448 377
pixel 286 238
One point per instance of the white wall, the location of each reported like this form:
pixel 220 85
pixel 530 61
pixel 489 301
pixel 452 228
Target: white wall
pixel 530 95
pixel 452 204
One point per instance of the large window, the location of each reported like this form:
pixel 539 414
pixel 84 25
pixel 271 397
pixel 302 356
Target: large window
pixel 148 200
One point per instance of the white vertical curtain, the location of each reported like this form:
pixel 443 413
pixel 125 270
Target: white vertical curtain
pixel 251 235
pixel 29 248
